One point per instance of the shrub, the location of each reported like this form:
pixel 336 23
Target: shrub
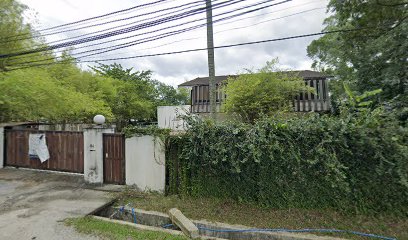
pixel 264 92
pixel 356 164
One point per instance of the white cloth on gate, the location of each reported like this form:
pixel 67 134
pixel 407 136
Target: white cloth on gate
pixel 37 147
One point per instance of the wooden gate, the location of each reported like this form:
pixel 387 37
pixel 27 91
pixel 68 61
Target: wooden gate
pixel 114 158
pixel 66 150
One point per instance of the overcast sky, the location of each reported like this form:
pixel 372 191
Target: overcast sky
pixel 285 19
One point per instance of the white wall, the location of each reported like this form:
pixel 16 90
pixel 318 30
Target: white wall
pixel 93 154
pixel 1 147
pixel 145 163
pixel 169 117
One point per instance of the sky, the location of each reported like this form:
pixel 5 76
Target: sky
pixel 282 19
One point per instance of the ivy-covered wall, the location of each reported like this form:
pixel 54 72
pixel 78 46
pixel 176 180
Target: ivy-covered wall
pixel 353 164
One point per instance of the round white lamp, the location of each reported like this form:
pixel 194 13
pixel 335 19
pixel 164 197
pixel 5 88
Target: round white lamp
pixel 99 119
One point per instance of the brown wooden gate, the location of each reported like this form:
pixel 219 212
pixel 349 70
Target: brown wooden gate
pixel 66 150
pixel 114 158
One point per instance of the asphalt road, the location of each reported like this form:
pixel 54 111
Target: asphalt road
pixel 33 205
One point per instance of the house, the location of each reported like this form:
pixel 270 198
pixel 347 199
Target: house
pixel 305 102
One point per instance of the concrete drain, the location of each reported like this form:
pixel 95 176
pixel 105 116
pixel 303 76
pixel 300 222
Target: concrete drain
pixel 174 223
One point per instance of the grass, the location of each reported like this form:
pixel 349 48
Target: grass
pixel 107 230
pixel 253 216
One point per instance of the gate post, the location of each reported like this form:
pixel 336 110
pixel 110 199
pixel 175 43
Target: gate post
pixel 93 154
pixel 2 147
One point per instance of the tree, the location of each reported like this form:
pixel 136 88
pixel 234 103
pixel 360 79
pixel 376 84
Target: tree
pixel 169 96
pixel 138 93
pixel 264 92
pixel 16 35
pixel 135 93
pixel 373 57
pixel 61 91
pixel 33 94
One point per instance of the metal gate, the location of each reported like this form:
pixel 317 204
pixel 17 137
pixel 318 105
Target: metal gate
pixel 66 150
pixel 114 158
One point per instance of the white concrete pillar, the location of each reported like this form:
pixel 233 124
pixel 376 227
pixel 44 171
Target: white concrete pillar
pixel 93 154
pixel 145 163
pixel 2 147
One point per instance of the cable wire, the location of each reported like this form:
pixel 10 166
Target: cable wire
pixel 160 36
pixel 113 21
pixel 219 24
pixel 198 10
pixel 96 17
pixel 199 49
pixel 113 33
pixel 190 13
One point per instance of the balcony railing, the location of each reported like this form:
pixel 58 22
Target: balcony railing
pixel 317 101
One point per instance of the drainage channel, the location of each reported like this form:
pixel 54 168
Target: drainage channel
pixel 157 221
pixel 161 221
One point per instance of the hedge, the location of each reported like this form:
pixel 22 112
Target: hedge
pixel 356 164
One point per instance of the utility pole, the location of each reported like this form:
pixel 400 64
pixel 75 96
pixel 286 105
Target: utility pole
pixel 211 62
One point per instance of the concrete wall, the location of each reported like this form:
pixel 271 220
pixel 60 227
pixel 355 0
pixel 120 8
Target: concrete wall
pixel 93 154
pixel 169 117
pixel 145 163
pixel 1 147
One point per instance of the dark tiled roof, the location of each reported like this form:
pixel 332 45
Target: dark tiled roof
pixel 305 74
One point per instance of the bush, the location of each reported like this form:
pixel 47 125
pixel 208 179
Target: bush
pixel 356 164
pixel 264 92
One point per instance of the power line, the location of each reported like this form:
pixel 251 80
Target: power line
pixel 192 12
pixel 149 13
pixel 226 30
pixel 129 44
pixel 117 32
pixel 127 37
pixel 267 13
pixel 160 36
pixel 97 17
pixel 158 30
pixel 204 24
pixel 108 17
pixel 123 19
pixel 307 3
pixel 116 20
pixel 273 19
pixel 227 46
pixel 200 49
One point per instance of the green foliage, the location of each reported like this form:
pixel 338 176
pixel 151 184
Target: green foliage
pixel 371 58
pixel 139 94
pixel 177 180
pixel 357 103
pixel 169 96
pixel 33 94
pixel 116 71
pixel 11 24
pixel 264 92
pixel 135 93
pixel 153 130
pixel 355 164
pixel 63 92
pixel 12 27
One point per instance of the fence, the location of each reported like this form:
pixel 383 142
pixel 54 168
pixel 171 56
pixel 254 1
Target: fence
pixel 66 150
pixel 98 153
